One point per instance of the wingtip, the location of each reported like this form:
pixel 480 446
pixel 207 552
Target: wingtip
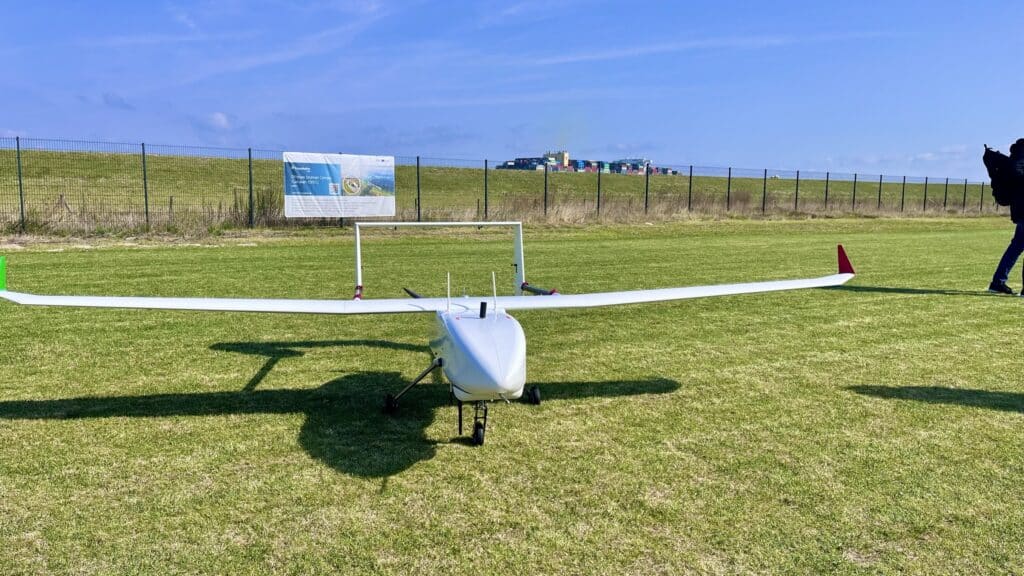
pixel 844 262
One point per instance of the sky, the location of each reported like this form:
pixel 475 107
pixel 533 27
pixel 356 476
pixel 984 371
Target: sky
pixel 893 87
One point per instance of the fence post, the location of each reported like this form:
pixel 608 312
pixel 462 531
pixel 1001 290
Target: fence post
pixel 599 189
pixel 545 189
pixel 21 186
pixel 689 191
pixel 827 174
pixel 981 198
pixel 764 191
pixel 647 186
pixel 945 194
pixel 796 193
pixel 418 213
pixel 853 204
pixel 487 187
pixel 145 185
pixel 903 193
pixel 964 207
pixel 252 208
pixel 728 190
pixel 924 207
pixel 879 207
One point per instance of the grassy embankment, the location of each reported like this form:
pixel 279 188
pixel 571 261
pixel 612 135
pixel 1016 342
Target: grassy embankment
pixel 93 192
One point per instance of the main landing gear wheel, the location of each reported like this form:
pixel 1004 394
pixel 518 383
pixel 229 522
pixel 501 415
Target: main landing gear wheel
pixel 478 433
pixel 533 395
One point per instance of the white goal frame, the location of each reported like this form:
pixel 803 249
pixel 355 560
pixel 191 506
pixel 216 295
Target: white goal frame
pixel 517 246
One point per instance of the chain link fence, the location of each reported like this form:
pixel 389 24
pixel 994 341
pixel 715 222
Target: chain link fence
pixel 70 186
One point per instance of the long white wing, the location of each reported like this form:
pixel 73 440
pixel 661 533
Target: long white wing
pixel 663 294
pixel 291 306
pixel 405 305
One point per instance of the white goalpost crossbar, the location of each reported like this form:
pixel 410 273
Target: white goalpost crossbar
pixel 517 246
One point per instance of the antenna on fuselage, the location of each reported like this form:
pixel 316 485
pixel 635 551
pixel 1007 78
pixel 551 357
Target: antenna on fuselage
pixel 448 280
pixel 494 289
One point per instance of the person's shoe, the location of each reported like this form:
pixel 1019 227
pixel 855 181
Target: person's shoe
pixel 1000 288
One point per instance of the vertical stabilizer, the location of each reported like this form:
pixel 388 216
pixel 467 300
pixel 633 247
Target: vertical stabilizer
pixel 844 262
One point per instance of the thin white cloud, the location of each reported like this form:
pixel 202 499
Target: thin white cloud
pixel 516 13
pixel 545 97
pixel 363 7
pixel 138 40
pixel 181 16
pixel 754 42
pixel 221 129
pixel 955 161
pixel 116 101
pixel 356 7
pixel 324 41
pixel 220 121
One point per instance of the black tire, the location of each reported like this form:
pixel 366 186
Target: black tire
pixel 390 404
pixel 533 395
pixel 478 433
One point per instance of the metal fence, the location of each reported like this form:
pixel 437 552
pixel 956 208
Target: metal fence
pixel 79 186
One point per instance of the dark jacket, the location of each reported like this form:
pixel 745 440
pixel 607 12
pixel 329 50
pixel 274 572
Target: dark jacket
pixel 1017 201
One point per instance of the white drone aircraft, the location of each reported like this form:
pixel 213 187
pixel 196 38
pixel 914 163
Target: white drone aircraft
pixel 482 352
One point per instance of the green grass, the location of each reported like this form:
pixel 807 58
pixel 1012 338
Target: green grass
pixel 874 428
pixel 74 191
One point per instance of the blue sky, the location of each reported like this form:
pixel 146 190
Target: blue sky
pixel 895 87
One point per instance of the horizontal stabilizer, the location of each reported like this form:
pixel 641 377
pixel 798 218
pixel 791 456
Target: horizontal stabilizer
pixel 538 291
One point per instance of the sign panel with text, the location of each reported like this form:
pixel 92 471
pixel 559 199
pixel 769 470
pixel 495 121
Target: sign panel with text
pixel 338 185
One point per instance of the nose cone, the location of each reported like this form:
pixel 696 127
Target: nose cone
pixel 488 355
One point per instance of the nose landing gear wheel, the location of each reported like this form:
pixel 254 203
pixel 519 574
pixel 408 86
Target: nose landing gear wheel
pixel 478 434
pixel 479 422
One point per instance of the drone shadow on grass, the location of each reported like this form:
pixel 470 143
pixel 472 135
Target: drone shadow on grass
pixel 896 290
pixel 1005 401
pixel 345 426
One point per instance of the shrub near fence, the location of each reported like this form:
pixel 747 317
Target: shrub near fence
pixel 76 186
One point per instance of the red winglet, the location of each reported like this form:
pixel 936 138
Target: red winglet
pixel 844 263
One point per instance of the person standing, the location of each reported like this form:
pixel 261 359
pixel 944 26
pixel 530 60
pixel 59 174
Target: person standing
pixel 1016 247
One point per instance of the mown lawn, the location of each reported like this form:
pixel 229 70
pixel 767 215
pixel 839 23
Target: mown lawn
pixel 873 428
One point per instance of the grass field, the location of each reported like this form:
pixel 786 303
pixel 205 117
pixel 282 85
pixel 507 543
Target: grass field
pixel 77 191
pixel 873 428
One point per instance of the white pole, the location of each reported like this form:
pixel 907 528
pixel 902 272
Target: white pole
pixel 518 257
pixel 359 267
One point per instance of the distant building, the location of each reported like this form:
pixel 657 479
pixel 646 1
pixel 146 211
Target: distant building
pixel 560 158
pixel 523 164
pixel 560 162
